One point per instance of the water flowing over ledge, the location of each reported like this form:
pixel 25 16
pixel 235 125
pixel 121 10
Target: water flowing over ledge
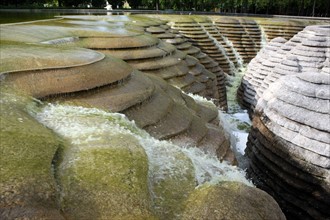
pixel 75 122
pixel 106 166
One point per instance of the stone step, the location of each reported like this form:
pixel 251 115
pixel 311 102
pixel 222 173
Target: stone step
pixel 158 51
pixel 135 90
pixel 124 42
pixel 215 143
pixel 290 204
pixel 152 110
pixel 152 64
pixel 48 82
pixel 177 70
pixel 182 82
pixel 177 121
pixel 192 137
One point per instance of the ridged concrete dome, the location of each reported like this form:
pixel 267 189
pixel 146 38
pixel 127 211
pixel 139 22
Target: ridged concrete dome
pixel 257 70
pixel 307 51
pixel 289 145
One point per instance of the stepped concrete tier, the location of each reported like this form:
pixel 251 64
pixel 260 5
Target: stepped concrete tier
pixel 162 110
pixel 163 60
pixel 259 67
pixel 27 184
pixel 289 145
pixel 164 32
pixel 100 172
pixel 45 71
pixel 307 51
pixel 173 37
pixel 178 70
pixel 244 34
pixel 101 165
pixel 170 64
pixel 215 33
pixel 194 29
pixel 281 28
pixel 217 202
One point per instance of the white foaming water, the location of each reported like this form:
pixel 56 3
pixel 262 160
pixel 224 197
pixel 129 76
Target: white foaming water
pixel 263 37
pixel 210 169
pixel 234 82
pixel 65 40
pixel 238 57
pixel 237 127
pixel 236 122
pixel 201 100
pixel 82 125
pixel 220 47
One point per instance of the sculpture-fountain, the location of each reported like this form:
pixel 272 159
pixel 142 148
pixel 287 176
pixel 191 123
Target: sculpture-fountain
pixel 70 86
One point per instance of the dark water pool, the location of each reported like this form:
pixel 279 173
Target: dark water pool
pixel 23 15
pixel 26 15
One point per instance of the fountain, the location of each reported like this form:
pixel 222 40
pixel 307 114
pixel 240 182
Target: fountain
pixel 101 120
pixel 108 7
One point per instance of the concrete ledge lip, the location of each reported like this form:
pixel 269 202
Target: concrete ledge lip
pixel 82 57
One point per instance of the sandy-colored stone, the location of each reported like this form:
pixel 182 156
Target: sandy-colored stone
pixel 231 200
pixel 27 185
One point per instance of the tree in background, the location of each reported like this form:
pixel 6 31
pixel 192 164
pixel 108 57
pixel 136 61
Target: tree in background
pixel 281 7
pixel 126 5
pixel 98 3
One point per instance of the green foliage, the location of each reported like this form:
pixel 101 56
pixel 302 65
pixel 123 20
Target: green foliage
pixel 126 5
pixel 98 3
pixel 282 7
pixel 72 3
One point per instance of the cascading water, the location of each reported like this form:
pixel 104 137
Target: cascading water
pixel 219 46
pixel 238 57
pixel 235 121
pixel 263 37
pixel 73 122
pixel 82 126
pixel 65 40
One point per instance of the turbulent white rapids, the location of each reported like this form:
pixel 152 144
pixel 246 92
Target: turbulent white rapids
pixel 80 125
pixel 236 121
